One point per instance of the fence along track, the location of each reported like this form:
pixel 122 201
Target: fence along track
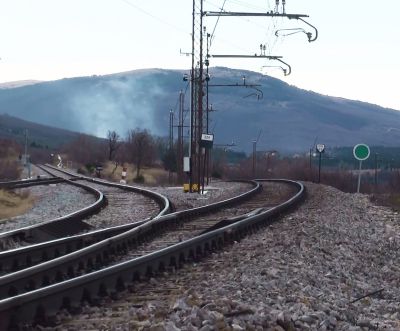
pixel 38 304
pixel 27 256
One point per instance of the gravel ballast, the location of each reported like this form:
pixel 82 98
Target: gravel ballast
pixel 308 271
pixel 216 191
pixel 51 201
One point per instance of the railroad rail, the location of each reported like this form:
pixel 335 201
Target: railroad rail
pixel 58 227
pixel 72 223
pixel 40 303
pixel 163 203
pixel 55 268
pixel 23 257
pixel 29 182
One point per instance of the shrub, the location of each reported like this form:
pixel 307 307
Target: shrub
pixel 82 171
pixel 9 170
pixel 139 179
pixel 216 174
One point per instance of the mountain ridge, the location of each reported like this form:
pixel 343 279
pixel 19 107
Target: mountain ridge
pixel 289 117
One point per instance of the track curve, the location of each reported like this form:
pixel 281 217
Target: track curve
pixel 38 304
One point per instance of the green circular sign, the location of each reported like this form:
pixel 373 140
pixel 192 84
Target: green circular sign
pixel 361 152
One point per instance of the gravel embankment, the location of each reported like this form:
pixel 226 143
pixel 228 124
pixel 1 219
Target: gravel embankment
pixel 216 191
pixel 302 273
pixel 51 201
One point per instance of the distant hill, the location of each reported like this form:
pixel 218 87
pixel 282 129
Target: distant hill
pixel 18 83
pixel 290 118
pixel 38 135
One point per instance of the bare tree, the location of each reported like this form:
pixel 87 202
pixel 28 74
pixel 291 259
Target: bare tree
pixel 10 168
pixel 141 146
pixel 86 150
pixel 113 144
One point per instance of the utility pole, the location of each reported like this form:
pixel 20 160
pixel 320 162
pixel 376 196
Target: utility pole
pixel 319 168
pixel 26 147
pixel 207 155
pixel 180 138
pixel 196 93
pixel 171 143
pixel 196 152
pixel 255 154
pixel 376 169
pixel 320 149
pixel 254 158
pixel 27 159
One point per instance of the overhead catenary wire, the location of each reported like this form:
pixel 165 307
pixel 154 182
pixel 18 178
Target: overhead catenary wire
pixel 269 39
pixel 171 25
pixel 216 24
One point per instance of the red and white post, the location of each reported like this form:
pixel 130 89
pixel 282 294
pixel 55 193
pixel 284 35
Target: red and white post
pixel 123 176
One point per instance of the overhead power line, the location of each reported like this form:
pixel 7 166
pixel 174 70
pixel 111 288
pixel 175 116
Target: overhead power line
pixel 175 27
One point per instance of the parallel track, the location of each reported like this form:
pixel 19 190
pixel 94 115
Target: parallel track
pixel 16 259
pixel 123 207
pixel 170 251
pixel 58 227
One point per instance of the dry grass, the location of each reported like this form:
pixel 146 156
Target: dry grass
pixel 152 176
pixel 13 204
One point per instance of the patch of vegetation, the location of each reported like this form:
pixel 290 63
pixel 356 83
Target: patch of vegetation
pixel 139 179
pixel 13 204
pixel 391 200
pixel 10 168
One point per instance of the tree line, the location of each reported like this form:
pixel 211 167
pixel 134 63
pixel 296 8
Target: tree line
pixel 138 147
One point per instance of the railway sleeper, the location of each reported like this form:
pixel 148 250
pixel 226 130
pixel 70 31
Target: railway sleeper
pixel 93 292
pixel 120 249
pixel 136 271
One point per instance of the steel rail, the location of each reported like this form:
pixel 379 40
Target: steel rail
pixel 88 257
pixel 45 230
pixel 39 304
pixel 163 202
pixel 29 182
pixel 27 256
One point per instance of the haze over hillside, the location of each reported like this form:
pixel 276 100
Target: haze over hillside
pixel 40 135
pixel 290 118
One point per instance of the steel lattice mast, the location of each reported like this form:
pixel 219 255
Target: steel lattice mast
pixel 197 95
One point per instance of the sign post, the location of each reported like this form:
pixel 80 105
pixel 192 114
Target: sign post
pixel 320 150
pixel 361 152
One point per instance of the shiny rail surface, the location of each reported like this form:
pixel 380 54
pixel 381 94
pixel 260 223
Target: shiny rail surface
pixel 163 202
pixel 38 304
pixel 58 227
pixel 89 258
pixel 23 257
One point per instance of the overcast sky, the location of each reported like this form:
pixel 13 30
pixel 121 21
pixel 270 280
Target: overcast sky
pixel 356 55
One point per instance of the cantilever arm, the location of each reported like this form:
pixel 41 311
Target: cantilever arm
pixel 290 31
pixel 259 95
pixel 280 67
pixel 309 35
pixel 299 30
pixel 289 71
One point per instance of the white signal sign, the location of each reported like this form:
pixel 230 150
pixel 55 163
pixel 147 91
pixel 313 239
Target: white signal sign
pixel 320 148
pixel 207 137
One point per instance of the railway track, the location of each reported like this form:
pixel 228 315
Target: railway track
pixel 38 230
pixel 125 205
pixel 16 259
pixel 153 246
pixel 122 206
